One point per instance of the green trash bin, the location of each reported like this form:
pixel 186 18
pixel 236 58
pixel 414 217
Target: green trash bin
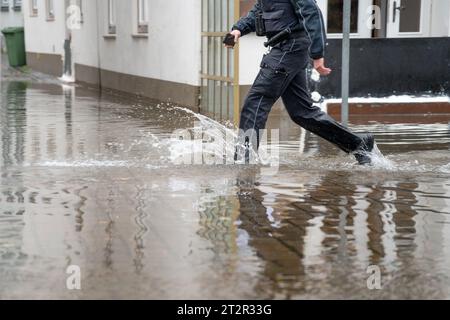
pixel 15 45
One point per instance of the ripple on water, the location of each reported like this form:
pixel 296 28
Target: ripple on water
pixel 72 188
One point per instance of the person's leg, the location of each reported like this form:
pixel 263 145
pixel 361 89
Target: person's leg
pixel 256 109
pixel 274 76
pixel 278 68
pixel 254 115
pixel 267 88
pixel 299 105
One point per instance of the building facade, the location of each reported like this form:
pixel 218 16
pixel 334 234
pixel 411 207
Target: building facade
pixel 10 16
pixel 172 50
pixel 405 50
pixel 147 47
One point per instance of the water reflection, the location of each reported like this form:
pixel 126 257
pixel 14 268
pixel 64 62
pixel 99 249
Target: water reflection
pixel 308 240
pixel 109 229
pixel 86 179
pixel 13 117
pixel 142 228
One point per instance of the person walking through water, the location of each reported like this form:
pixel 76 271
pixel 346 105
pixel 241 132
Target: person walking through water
pixel 299 23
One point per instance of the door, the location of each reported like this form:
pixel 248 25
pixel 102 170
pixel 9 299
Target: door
pixel 219 74
pixel 408 18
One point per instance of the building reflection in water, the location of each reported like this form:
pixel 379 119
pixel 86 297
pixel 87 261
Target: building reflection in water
pixel 13 193
pixel 13 121
pixel 323 233
pixel 75 189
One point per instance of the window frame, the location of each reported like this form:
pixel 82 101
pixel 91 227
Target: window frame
pixel 112 24
pixel 142 16
pixel 17 5
pixel 50 10
pixel 362 32
pixel 354 27
pixel 80 6
pixel 4 5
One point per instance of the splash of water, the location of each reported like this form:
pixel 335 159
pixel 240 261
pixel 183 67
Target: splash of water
pixel 225 139
pixel 379 161
pixel 445 169
pixel 67 78
pixel 84 164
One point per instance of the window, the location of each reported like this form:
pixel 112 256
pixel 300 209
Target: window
pixel 80 6
pixel 111 17
pixel 33 8
pixel 17 5
pixel 335 16
pixel 50 8
pixel 410 15
pixel 4 5
pixel 142 16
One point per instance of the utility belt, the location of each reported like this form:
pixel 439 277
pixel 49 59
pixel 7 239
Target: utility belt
pixel 286 34
pixel 295 33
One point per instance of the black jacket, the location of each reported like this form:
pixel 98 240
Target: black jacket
pixel 310 17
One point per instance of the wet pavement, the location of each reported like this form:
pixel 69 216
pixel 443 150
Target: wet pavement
pixel 89 179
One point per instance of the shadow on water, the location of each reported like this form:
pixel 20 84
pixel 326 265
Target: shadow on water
pixel 88 179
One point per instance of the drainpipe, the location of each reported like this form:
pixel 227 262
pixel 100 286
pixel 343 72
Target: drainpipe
pixel 99 63
pixel 67 67
pixel 345 60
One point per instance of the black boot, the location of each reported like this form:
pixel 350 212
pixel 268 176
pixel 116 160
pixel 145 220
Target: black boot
pixel 362 153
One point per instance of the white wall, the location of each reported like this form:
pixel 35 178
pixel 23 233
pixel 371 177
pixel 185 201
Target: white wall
pixel 85 41
pixel 10 18
pixel 251 51
pixel 42 36
pixel 171 51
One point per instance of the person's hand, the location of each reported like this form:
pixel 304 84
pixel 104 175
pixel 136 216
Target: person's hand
pixel 237 35
pixel 319 65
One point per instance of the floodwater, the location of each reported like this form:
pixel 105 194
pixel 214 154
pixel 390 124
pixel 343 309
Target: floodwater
pixel 91 180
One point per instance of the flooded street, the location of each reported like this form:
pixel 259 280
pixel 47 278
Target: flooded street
pixel 89 179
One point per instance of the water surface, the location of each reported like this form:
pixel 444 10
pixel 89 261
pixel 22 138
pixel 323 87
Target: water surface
pixel 89 179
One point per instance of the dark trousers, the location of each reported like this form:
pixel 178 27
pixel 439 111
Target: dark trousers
pixel 283 74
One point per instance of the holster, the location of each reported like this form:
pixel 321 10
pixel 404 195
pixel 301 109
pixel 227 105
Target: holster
pixel 283 35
